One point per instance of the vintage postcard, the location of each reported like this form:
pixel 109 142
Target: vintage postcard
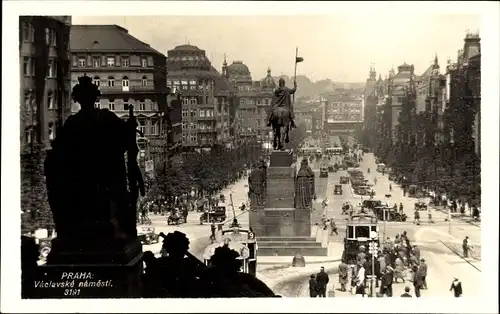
pixel 285 151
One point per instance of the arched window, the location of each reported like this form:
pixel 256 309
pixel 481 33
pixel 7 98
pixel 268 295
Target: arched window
pixel 142 126
pixel 111 81
pixel 144 81
pixel 52 131
pixel 96 80
pixel 125 84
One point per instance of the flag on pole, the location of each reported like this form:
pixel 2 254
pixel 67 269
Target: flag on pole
pixel 298 59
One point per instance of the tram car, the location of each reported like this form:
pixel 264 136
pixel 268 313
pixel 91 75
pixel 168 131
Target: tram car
pixel 242 241
pixel 358 230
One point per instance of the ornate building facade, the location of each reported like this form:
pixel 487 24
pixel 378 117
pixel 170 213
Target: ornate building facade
pixel 254 100
pixel 128 72
pixel 207 98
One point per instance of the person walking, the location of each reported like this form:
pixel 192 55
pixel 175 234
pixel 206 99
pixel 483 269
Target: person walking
pixel 456 287
pixel 343 275
pixel 313 287
pixel 417 281
pixel 322 279
pixel 422 270
pixel 466 247
pixel 333 226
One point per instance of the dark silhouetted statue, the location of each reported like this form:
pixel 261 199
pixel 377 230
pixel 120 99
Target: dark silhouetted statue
pixel 257 184
pixel 304 186
pixel 91 191
pixel 281 114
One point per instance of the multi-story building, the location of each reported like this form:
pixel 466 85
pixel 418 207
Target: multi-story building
pixel 399 86
pixel 45 104
pixel 304 116
pixel 206 98
pixel 45 76
pixel 343 113
pixel 128 72
pixel 254 101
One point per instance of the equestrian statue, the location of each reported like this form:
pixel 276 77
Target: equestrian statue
pixel 281 116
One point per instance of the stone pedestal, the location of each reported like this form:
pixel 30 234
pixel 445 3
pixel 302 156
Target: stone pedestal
pixel 98 273
pixel 282 229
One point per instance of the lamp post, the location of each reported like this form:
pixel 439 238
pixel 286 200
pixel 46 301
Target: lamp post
pixel 373 250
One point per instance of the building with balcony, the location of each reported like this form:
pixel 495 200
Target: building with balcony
pixel 128 72
pixel 254 100
pixel 207 98
pixel 44 78
pixel 343 113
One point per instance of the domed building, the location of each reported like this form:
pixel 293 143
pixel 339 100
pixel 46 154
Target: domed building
pixel 207 97
pixel 254 101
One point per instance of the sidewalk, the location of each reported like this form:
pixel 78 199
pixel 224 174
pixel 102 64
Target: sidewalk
pixel 464 217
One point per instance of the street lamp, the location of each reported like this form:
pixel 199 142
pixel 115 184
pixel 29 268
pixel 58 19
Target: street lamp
pixel 373 250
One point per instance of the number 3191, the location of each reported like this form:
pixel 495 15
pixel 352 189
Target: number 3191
pixel 71 292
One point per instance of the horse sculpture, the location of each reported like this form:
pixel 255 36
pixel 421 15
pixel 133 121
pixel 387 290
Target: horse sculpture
pixel 280 121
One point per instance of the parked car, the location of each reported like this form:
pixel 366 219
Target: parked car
pixel 420 205
pixel 344 180
pixel 323 172
pixel 338 189
pixel 147 235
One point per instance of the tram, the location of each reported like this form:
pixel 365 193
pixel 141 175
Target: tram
pixel 358 229
pixel 242 241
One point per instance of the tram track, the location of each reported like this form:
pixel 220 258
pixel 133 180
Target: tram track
pixel 454 251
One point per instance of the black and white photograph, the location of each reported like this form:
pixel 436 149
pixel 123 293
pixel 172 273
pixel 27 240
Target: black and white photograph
pixel 223 151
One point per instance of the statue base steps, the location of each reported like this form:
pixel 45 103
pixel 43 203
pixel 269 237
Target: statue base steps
pixel 281 159
pixel 103 281
pixel 290 246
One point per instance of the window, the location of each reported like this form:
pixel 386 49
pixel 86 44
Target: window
pixel 193 100
pixel 111 106
pixel 142 126
pixel 193 138
pixel 185 101
pixel 110 61
pixel 242 101
pixel 193 113
pixel 202 113
pixel 97 104
pixel 26 66
pixel 144 62
pixel 47 36
pixel 96 62
pixel 26 31
pixel 154 128
pixel 144 81
pixel 125 105
pixel 52 131
pixel 32 63
pixel 111 81
pixel 82 62
pixel 142 106
pixel 184 82
pixel 27 101
pixel 193 126
pixel 169 83
pixel 53 38
pixel 125 61
pixel 28 135
pixel 184 125
pixel 184 112
pixel 50 100
pixel 52 68
pixel 96 80
pixel 125 84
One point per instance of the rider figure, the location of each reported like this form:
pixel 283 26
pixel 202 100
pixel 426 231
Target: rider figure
pixel 281 98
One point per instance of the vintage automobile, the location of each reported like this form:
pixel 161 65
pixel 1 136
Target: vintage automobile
pixel 344 180
pixel 412 190
pixel 371 204
pixel 332 168
pixel 358 229
pixel 45 246
pixel 338 189
pixel 323 172
pixel 420 205
pixel 242 241
pixel 218 214
pixel 176 218
pixel 385 213
pixel 147 235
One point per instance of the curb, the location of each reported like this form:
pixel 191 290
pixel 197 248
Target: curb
pixel 466 219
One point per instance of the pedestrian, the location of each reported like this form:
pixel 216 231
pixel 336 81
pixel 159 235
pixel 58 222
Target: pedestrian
pixel 422 270
pixel 399 270
pixel 360 280
pixel 466 247
pixel 417 281
pixel 416 217
pixel 429 215
pixel 416 251
pixel 386 282
pixel 456 287
pixel 407 293
pixel 322 279
pixel 333 226
pixel 343 275
pixel 313 286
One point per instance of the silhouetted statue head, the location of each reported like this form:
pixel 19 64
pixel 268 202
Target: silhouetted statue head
pixel 85 93
pixel 304 162
pixel 281 82
pixel 225 260
pixel 176 244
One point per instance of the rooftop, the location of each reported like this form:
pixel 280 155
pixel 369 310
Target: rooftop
pixel 104 38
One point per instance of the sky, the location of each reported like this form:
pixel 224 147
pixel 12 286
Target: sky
pixel 339 46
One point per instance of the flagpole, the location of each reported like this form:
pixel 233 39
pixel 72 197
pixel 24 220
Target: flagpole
pixel 295 71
